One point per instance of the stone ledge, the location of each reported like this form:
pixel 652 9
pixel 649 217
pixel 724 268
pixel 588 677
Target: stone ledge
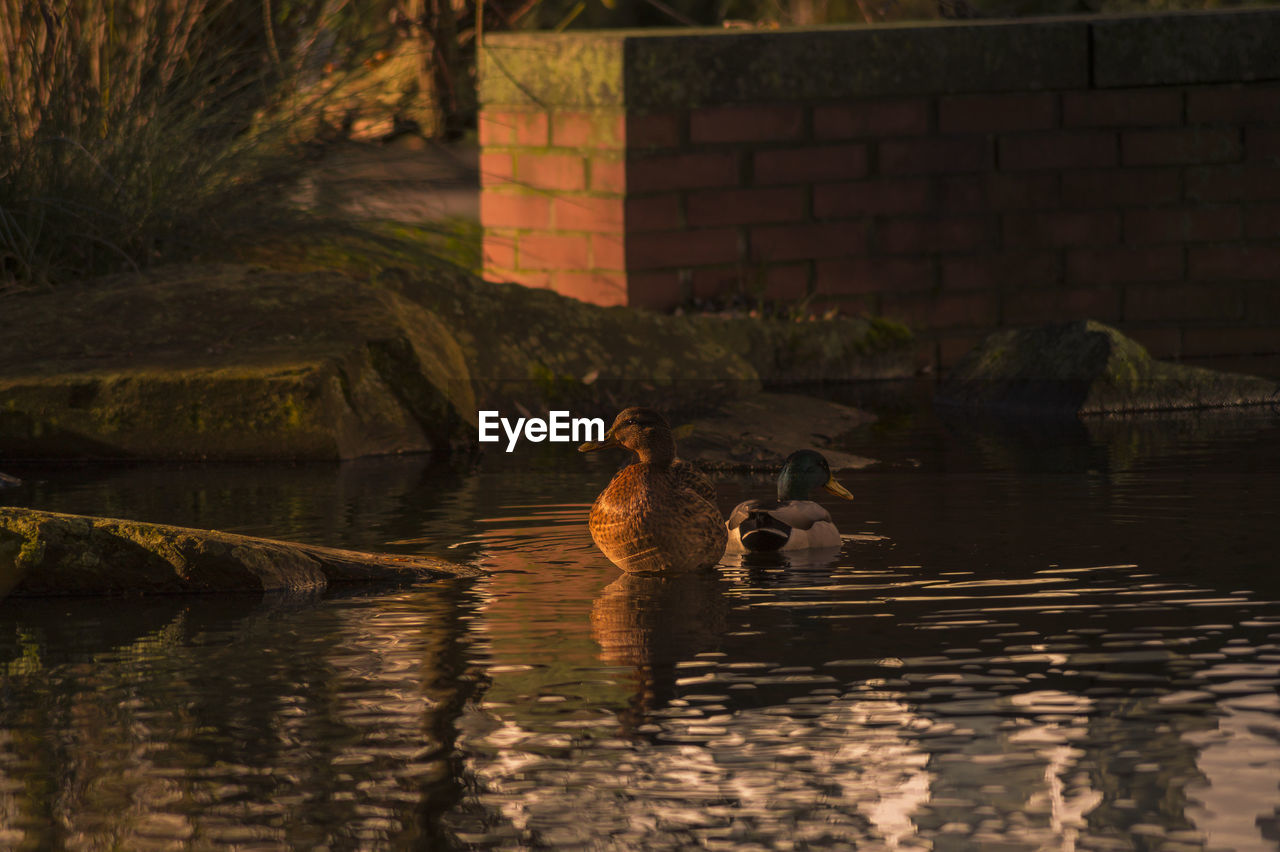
pixel 655 69
pixel 651 70
pixel 1187 48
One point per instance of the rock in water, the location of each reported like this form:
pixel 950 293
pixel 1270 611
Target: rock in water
pixel 1086 367
pixel 46 553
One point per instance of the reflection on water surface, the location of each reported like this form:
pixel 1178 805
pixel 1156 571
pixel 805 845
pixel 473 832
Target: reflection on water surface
pixel 1027 642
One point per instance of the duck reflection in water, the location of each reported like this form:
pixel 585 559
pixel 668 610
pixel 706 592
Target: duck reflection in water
pixel 658 514
pixel 654 621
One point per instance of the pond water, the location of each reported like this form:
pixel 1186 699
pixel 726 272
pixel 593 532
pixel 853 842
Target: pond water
pixel 1029 640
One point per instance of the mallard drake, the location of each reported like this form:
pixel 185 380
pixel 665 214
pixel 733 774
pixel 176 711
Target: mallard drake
pixel 793 521
pixel 658 513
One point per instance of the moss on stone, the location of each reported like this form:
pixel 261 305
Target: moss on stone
pixel 71 554
pixel 574 69
pixel 1087 368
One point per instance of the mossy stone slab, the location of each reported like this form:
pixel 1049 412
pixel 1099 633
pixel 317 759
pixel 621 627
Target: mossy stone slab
pixel 228 361
pixel 647 70
pixel 47 553
pixel 1087 368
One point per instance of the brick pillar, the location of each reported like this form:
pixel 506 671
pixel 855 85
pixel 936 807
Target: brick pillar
pixel 551 200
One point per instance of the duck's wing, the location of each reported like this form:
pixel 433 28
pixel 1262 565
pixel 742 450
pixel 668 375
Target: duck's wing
pixel 799 514
pixel 690 477
pixel 746 508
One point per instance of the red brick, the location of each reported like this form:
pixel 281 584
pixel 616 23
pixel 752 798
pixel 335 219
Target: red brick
pixel 1182 224
pixel 514 210
pixel 949 310
pixel 755 123
pixel 746 206
pixel 947 234
pixel 656 290
pixel 1035 306
pixel 806 165
pixel 1121 108
pixel 1234 104
pixel 1092 266
pixel 808 241
pixel 653 213
pixel 598 288
pixel 784 282
pixel 598 129
pixel 496 168
pixel 1120 187
pixel 778 282
pixel 1262 143
pixel 1162 342
pixel 716 282
pixel 499 250
pixel 513 128
pixel 903 117
pixel 872 197
pixel 1233 183
pixel 997 113
pixel 551 171
pixel 873 275
pixel 1062 228
pixel 1180 302
pixel 1183 146
pixel 843 305
pixel 1262 221
pixel 553 251
pixel 586 213
pixel 682 171
pixel 607 175
pixel 996 191
pixel 1233 262
pixel 655 130
pixel 682 248
pixel 608 252
pixel 1262 304
pixel 936 154
pixel 1201 342
pixel 952 347
pixel 1001 269
pixel 1072 149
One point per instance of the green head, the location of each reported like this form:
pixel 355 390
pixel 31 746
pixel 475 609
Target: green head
pixel 803 471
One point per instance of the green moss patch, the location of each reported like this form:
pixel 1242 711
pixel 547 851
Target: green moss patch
pixel 1087 368
pixel 45 553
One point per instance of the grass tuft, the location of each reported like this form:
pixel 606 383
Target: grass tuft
pixel 137 131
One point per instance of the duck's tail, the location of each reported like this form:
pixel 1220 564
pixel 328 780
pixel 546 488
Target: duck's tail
pixel 762 532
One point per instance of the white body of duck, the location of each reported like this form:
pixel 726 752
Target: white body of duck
pixel 792 521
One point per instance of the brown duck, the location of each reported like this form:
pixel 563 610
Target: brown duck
pixel 657 514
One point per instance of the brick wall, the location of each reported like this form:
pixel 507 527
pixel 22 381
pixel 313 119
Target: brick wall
pixel 956 177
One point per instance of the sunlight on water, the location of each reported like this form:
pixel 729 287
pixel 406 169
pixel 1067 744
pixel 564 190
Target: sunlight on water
pixel 1002 656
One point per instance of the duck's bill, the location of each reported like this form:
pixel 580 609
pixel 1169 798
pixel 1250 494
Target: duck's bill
pixel 592 446
pixel 837 489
